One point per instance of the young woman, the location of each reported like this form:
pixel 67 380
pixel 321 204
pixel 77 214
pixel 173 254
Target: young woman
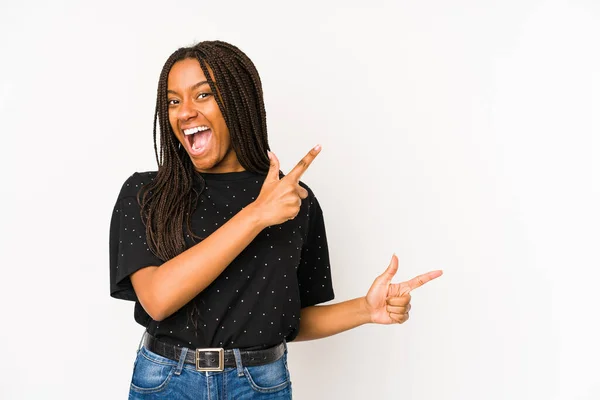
pixel 226 257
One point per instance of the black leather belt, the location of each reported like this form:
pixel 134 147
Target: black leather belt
pixel 214 359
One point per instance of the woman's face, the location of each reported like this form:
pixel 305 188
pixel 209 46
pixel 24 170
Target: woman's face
pixel 197 121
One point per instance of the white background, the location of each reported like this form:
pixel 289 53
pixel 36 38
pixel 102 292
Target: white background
pixel 461 135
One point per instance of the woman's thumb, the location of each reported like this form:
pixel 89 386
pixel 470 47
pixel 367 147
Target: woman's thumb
pixel 391 270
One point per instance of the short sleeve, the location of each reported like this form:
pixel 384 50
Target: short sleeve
pixel 129 251
pixel 314 272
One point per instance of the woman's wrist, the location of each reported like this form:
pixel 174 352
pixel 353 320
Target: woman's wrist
pixel 254 216
pixel 364 311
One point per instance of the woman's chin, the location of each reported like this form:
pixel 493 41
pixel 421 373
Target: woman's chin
pixel 204 163
pixel 202 166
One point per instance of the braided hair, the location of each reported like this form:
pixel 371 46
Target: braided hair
pixel 169 200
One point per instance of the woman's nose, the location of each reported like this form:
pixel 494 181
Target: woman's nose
pixel 187 111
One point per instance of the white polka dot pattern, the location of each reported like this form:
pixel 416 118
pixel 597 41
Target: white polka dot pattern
pixel 257 299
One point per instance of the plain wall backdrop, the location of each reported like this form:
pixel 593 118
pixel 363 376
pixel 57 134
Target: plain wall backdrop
pixel 461 135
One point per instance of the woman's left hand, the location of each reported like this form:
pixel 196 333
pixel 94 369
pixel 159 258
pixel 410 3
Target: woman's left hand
pixel 389 303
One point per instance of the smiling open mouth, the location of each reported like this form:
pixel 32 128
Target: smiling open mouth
pixel 198 138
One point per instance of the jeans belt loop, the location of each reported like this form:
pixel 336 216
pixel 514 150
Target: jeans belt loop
pixel 238 362
pixel 181 362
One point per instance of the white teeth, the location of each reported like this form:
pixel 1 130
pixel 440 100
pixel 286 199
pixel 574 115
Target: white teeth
pixel 191 131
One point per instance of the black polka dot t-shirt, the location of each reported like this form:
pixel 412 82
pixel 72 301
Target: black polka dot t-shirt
pixel 256 300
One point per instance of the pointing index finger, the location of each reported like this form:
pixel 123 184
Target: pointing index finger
pixel 419 281
pixel 302 166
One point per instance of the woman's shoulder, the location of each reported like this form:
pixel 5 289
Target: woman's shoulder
pixel 135 182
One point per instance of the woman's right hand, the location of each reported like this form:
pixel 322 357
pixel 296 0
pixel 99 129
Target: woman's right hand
pixel 279 200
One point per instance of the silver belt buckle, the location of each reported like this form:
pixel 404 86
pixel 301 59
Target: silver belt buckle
pixel 220 353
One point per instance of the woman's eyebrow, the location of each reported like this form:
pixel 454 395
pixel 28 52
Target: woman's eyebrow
pixel 194 87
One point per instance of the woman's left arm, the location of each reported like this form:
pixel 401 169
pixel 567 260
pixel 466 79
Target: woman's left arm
pixel 317 322
pixel 385 303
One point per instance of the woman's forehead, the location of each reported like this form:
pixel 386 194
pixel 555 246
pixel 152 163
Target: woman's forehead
pixel 185 74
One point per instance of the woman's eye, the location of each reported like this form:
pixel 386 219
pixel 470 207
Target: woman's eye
pixel 173 102
pixel 203 95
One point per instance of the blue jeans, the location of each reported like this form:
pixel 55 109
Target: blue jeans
pixel 157 377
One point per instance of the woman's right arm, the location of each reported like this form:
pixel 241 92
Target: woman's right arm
pixel 165 289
